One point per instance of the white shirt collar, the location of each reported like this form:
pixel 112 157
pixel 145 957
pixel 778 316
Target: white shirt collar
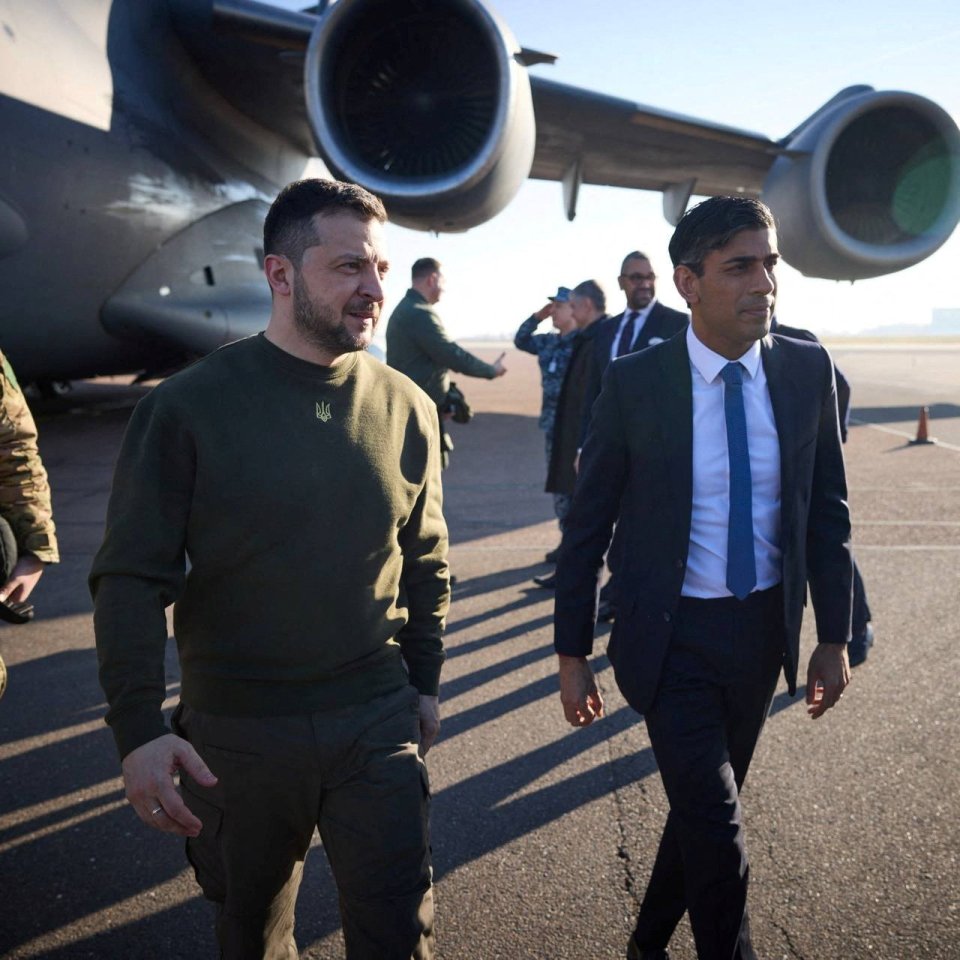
pixel 709 364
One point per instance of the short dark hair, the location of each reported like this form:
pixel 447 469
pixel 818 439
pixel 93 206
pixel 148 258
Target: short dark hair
pixel 593 292
pixel 712 224
pixel 289 228
pixel 634 255
pixel 424 267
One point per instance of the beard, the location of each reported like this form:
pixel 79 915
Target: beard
pixel 319 324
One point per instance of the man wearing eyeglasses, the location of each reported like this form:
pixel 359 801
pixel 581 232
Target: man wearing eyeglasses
pixel 643 323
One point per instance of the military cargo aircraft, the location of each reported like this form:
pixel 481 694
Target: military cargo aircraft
pixel 142 141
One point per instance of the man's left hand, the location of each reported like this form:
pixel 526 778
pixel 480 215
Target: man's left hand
pixel 22 580
pixel 579 694
pixel 828 674
pixel 429 722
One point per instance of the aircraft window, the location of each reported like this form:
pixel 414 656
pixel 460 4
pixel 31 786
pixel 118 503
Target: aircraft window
pixel 208 276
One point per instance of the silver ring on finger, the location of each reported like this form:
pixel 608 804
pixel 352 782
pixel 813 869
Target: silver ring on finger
pixel 155 811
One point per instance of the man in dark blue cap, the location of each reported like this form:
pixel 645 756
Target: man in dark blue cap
pixel 553 351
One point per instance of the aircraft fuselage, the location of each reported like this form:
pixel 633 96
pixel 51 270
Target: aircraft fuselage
pixel 105 157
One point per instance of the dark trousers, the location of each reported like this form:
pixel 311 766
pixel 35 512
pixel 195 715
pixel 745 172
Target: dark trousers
pixel 353 772
pixel 561 501
pixel 861 609
pixel 8 551
pixel 714 696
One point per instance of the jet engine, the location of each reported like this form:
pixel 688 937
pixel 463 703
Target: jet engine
pixel 424 103
pixel 869 185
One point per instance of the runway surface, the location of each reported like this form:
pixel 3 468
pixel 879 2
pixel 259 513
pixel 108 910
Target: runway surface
pixel 543 836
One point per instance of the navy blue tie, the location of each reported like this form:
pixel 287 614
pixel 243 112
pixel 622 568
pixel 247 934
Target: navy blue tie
pixel 741 565
pixel 625 345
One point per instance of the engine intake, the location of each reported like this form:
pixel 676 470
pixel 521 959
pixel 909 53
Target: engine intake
pixel 423 103
pixel 871 185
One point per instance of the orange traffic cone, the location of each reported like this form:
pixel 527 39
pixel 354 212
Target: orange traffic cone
pixel 922 429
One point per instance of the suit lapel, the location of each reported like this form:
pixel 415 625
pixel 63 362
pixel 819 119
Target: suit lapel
pixel 785 400
pixel 652 327
pixel 674 401
pixel 605 339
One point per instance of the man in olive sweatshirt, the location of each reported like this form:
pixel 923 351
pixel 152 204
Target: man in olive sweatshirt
pixel 418 345
pixel 302 479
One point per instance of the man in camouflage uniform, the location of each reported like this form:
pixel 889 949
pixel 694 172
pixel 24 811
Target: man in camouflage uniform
pixel 552 351
pixel 27 536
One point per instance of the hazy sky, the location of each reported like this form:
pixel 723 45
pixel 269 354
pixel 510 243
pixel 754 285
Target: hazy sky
pixel 759 66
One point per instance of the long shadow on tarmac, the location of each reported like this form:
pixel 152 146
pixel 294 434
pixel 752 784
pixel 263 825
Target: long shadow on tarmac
pixel 529 600
pixel 69 844
pixel 78 849
pixel 497 580
pixel 92 860
pixel 938 411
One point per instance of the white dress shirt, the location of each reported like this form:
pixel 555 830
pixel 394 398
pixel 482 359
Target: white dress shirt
pixel 639 320
pixel 706 574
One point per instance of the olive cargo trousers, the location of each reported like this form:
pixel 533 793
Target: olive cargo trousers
pixel 355 773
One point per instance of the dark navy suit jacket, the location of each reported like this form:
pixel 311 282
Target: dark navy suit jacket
pixel 661 324
pixel 636 470
pixel 843 385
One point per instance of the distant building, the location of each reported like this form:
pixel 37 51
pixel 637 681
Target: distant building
pixel 946 320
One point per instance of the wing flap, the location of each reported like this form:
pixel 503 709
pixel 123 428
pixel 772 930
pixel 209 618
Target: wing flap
pixel 620 143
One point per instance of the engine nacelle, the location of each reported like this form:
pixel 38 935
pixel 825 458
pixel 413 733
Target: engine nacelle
pixel 871 185
pixel 423 103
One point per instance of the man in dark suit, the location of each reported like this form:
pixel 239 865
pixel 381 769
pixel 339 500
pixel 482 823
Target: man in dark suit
pixel 717 454
pixel 644 322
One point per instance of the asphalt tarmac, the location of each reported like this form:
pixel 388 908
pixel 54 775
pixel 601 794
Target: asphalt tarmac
pixel 543 836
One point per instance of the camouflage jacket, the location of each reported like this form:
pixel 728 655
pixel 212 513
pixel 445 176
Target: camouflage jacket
pixel 553 352
pixel 24 491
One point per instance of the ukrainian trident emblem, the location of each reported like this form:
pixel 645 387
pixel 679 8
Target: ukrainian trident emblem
pixel 323 411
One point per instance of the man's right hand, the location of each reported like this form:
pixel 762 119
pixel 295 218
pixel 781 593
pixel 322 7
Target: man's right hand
pixel 148 777
pixel 23 578
pixel 499 367
pixel 544 312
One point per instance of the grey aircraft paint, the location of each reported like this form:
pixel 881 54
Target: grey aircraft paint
pixel 143 139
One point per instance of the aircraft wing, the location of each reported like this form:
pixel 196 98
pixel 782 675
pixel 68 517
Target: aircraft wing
pixel 434 109
pixel 253 55
pixel 157 131
pixel 587 137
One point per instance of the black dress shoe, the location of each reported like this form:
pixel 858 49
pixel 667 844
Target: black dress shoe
pixel 606 612
pixel 548 581
pixel 14 612
pixel 859 646
pixel 552 555
pixel 635 953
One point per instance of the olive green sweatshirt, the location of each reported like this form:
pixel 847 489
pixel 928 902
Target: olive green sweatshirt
pixel 292 513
